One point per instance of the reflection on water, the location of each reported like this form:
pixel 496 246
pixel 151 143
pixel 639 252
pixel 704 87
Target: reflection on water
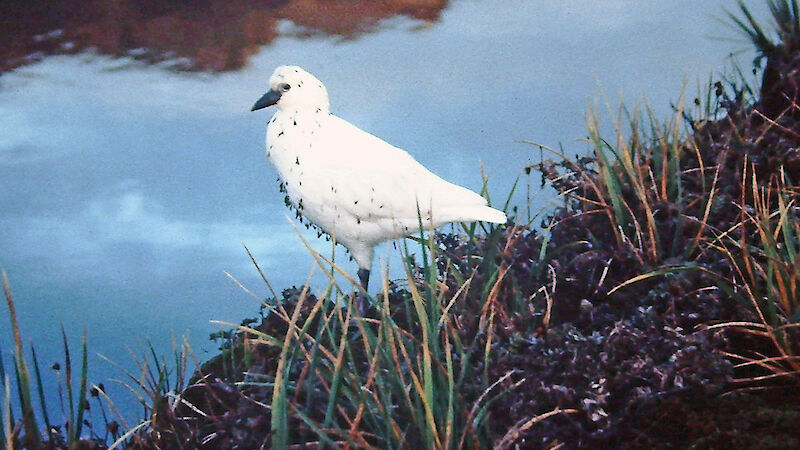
pixel 208 35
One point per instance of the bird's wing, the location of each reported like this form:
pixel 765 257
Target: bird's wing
pixel 379 179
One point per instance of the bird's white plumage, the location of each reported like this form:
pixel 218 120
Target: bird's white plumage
pixel 351 184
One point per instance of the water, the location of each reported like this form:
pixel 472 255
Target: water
pixel 128 189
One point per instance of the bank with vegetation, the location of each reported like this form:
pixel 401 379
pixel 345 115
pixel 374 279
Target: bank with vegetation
pixel 658 307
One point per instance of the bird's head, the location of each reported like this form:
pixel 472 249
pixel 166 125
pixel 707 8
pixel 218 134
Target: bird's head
pixel 291 87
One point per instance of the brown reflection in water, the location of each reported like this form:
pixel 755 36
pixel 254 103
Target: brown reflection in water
pixel 207 35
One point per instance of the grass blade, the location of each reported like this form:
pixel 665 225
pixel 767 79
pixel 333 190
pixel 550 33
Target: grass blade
pixel 280 412
pixel 40 389
pixel 33 438
pixel 82 403
pixel 73 429
pixel 8 438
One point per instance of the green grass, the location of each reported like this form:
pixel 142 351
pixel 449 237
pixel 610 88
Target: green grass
pixel 31 434
pixel 786 22
pixel 766 275
pixel 158 383
pixel 393 380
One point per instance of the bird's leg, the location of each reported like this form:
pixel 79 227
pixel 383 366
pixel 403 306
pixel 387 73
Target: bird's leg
pixel 363 276
pixel 361 299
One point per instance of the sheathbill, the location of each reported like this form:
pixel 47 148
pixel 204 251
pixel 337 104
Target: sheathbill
pixel 350 184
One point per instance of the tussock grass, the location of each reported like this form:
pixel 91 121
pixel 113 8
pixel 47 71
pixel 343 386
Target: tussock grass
pixel 399 378
pixel 765 277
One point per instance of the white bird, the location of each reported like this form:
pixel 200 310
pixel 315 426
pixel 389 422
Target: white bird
pixel 349 183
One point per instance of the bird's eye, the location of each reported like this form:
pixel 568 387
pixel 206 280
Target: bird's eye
pixel 285 87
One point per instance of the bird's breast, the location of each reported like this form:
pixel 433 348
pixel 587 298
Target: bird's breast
pixel 290 144
pixel 293 147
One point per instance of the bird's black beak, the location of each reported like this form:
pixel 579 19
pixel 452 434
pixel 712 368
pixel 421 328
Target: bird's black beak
pixel 269 99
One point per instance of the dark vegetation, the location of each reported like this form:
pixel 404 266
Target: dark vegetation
pixel 656 308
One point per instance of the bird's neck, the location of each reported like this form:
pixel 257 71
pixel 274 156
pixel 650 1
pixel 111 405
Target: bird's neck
pixel 303 111
pixel 299 119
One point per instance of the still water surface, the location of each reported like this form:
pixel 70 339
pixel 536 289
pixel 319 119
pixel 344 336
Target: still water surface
pixel 128 189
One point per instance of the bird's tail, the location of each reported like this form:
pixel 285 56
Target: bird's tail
pixel 492 215
pixel 479 213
